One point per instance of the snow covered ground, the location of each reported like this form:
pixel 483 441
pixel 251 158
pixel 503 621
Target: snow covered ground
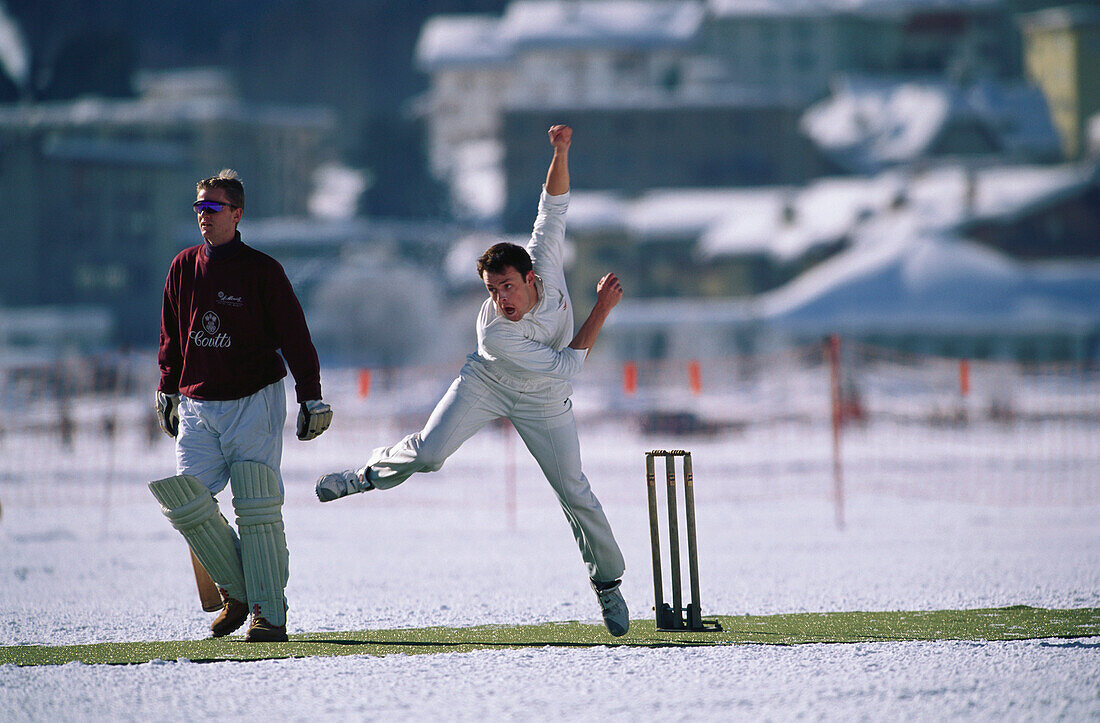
pixel 446 549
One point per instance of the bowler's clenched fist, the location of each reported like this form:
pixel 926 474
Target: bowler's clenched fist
pixel 560 136
pixel 609 291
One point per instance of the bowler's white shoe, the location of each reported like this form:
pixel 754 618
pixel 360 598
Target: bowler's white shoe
pixel 335 485
pixel 615 615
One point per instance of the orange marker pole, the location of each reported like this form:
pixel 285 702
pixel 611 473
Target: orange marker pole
pixel 630 378
pixel 695 377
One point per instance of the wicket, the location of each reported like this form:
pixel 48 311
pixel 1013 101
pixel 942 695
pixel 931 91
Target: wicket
pixel 675 617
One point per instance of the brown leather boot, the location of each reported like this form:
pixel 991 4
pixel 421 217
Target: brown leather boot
pixel 231 617
pixel 261 631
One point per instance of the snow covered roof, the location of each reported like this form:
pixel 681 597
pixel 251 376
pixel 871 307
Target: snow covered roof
pixel 785 222
pixel 933 281
pixel 593 212
pixel 868 124
pixel 15 56
pixel 1011 191
pixel 185 84
pixel 477 191
pixel 653 99
pixel 908 268
pixel 474 40
pixel 757 8
pixel 603 24
pixel 336 191
pixel 312 232
pixel 164 111
pixel 663 214
pixel 461 40
pixel 945 197
pixel 801 8
pixel 687 213
pixel 910 284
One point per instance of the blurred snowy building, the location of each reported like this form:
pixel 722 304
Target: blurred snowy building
pixel 1062 56
pixel 470 69
pixel 1000 261
pixel 869 124
pixel 798 46
pixel 745 139
pixel 40 334
pixel 375 291
pixel 673 92
pixel 926 294
pixel 744 241
pixel 1054 213
pixel 541 52
pixel 946 296
pixel 121 175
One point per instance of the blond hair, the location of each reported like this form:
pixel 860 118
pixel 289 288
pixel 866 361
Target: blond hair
pixel 229 181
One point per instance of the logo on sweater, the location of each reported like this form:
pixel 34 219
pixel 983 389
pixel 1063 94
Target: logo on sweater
pixel 208 335
pixel 230 300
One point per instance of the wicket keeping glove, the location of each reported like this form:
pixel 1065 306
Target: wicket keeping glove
pixel 168 412
pixel 314 417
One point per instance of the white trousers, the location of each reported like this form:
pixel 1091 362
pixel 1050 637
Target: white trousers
pixel 548 429
pixel 214 435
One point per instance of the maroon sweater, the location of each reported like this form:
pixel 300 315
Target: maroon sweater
pixel 226 311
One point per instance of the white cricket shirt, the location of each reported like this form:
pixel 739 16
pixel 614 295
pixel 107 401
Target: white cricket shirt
pixel 533 353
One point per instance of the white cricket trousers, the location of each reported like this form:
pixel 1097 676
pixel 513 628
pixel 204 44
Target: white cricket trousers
pixel 214 435
pixel 548 429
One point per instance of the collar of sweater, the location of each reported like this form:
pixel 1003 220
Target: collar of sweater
pixel 225 251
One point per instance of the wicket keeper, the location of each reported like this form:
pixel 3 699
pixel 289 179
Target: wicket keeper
pixel 526 354
pixel 228 311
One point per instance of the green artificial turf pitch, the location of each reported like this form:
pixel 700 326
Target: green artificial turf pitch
pixel 1009 623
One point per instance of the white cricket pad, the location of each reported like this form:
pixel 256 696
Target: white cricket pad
pixel 191 509
pixel 258 502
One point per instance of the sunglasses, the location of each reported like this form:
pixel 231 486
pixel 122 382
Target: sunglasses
pixel 210 206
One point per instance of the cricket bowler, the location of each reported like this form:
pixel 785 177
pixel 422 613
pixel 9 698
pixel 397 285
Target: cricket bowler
pixel 526 354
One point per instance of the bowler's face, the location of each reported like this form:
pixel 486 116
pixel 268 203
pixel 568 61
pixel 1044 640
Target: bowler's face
pixel 512 294
pixel 218 227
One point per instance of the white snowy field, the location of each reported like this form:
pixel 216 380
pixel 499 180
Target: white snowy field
pixel 449 549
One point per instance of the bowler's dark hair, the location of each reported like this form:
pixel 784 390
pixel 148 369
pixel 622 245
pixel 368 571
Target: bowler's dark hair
pixel 502 255
pixel 228 181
